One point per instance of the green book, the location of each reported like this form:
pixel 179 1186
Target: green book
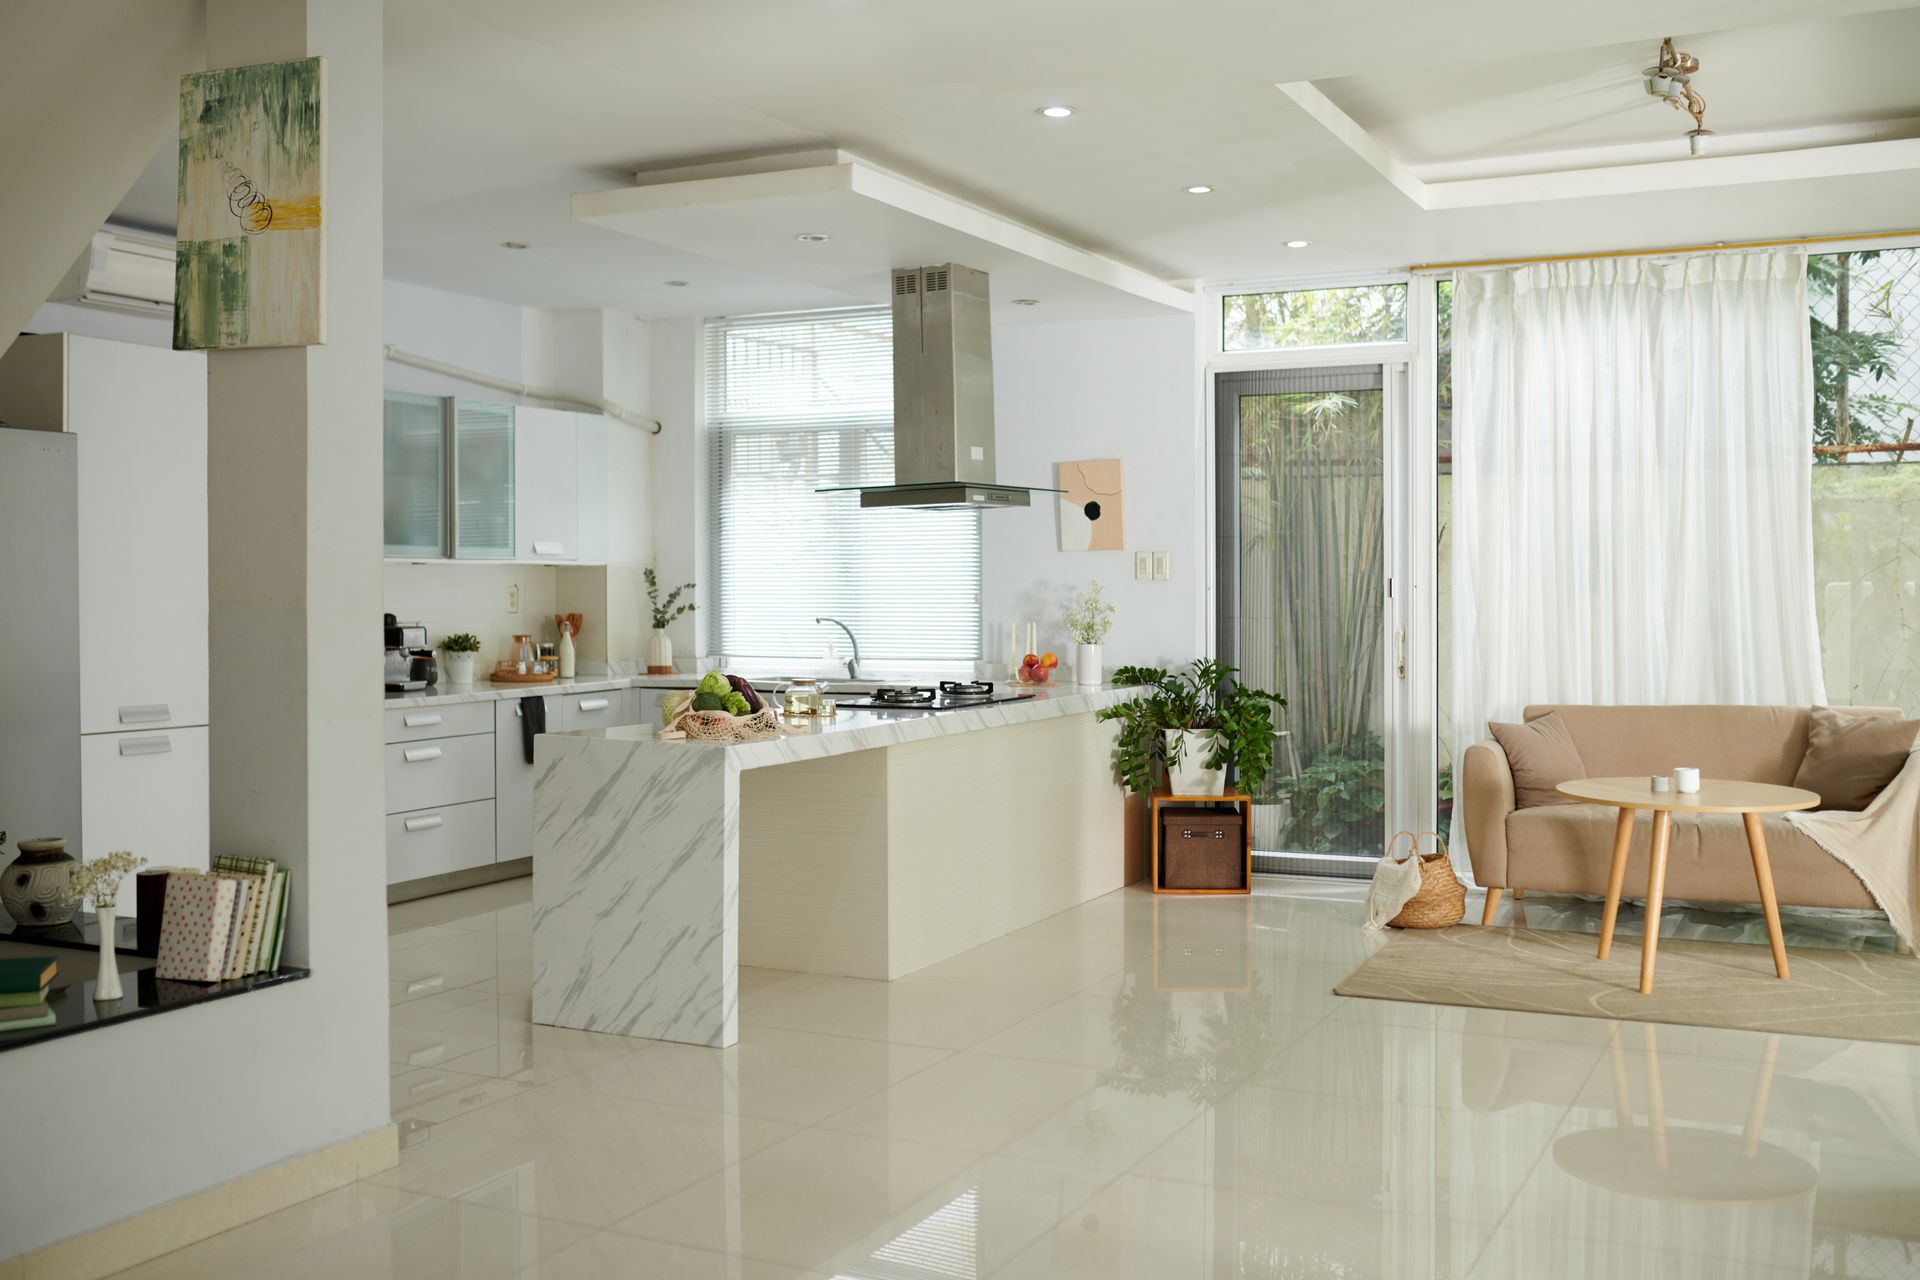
pixel 23 1024
pixel 26 973
pixel 18 999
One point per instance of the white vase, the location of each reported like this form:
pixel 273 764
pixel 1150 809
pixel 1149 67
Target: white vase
pixel 1189 776
pixel 660 653
pixel 1086 664
pixel 459 668
pixel 106 984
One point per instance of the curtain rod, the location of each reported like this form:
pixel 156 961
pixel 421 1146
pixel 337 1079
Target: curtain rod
pixel 1655 253
pixel 511 387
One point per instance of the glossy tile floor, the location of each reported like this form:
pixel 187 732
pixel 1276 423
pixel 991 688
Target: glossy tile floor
pixel 1134 1088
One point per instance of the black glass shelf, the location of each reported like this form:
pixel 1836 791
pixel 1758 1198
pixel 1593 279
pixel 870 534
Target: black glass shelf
pixel 81 933
pixel 75 1011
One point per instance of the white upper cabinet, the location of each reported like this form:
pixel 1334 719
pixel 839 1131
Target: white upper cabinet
pixel 140 417
pixel 590 445
pixel 484 484
pixel 547 481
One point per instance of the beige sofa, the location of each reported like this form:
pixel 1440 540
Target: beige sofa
pixel 1567 848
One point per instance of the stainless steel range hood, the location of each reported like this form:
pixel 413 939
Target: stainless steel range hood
pixel 943 396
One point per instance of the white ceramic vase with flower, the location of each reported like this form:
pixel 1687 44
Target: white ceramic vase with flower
pixel 97 881
pixel 1089 616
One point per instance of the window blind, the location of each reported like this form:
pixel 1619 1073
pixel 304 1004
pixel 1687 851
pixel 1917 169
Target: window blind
pixel 794 402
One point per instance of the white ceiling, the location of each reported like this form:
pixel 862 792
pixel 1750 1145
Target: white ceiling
pixel 498 111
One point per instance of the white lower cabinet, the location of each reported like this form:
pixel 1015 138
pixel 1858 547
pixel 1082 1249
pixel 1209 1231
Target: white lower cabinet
pixel 582 711
pixel 145 792
pixel 439 771
pixel 513 776
pixel 432 842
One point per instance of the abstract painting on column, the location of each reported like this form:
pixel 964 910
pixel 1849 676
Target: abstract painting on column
pixel 249 268
pixel 1090 505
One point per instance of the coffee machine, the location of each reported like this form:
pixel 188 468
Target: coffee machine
pixel 411 665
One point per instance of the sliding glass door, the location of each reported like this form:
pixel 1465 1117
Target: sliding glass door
pixel 1302 566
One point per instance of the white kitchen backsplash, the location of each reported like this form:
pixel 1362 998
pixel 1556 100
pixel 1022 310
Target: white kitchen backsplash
pixel 448 598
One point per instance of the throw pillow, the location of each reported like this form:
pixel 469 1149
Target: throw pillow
pixel 1851 758
pixel 1542 756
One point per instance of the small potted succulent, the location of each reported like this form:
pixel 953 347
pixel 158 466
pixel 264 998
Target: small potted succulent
pixel 1192 726
pixel 460 650
pixel 660 645
pixel 1089 616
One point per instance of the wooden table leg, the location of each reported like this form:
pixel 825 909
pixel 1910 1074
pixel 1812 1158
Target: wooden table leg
pixel 1493 905
pixel 1763 872
pixel 1656 890
pixel 1616 879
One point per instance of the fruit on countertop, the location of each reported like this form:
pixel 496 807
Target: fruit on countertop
pixel 1049 659
pixel 1034 671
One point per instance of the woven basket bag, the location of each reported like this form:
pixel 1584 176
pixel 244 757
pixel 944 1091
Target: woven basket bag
pixel 1442 900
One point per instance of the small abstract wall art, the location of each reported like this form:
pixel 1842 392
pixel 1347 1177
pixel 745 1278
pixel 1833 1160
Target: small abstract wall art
pixel 1090 506
pixel 250 265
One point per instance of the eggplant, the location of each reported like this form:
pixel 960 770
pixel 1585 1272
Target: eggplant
pixel 744 687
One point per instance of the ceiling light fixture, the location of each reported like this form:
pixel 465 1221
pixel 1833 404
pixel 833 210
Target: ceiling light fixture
pixel 1056 113
pixel 1298 244
pixel 811 237
pixel 1026 302
pixel 513 244
pixel 676 284
pixel 1199 190
pixel 1671 81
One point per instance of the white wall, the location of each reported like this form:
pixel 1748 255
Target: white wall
pixel 474 333
pixel 679 476
pixel 1126 389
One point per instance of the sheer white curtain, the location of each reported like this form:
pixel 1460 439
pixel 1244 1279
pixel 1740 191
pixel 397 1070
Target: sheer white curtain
pixel 1631 472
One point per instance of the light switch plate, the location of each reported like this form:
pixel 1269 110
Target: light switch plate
pixel 1162 565
pixel 1143 565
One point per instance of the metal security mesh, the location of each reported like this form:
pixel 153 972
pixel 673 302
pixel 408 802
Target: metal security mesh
pixel 1866 354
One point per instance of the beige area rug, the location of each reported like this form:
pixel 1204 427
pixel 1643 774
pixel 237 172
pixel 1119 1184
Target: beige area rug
pixel 1845 994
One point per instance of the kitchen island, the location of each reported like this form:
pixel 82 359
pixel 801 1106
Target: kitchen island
pixel 868 845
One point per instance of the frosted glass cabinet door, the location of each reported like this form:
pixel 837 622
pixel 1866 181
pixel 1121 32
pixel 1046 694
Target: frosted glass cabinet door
pixel 416 475
pixel 483 483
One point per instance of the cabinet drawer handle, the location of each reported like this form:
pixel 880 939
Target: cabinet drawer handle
pixel 426 822
pixel 421 719
pixel 1186 833
pixel 594 704
pixel 549 548
pixel 146 713
pixel 159 746
pixel 415 755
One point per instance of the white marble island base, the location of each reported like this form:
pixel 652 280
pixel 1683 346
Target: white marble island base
pixel 872 846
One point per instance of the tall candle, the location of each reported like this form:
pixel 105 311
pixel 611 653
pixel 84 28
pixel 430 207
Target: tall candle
pixel 1033 637
pixel 1013 650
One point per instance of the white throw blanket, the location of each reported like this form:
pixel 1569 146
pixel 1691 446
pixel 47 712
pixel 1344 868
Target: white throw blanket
pixel 1880 844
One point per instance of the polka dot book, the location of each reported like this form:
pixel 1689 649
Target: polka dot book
pixel 194 926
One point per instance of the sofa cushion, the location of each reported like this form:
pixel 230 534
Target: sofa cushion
pixel 1542 756
pixel 1567 849
pixel 1851 757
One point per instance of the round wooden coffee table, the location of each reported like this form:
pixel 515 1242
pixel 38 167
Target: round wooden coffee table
pixel 1630 795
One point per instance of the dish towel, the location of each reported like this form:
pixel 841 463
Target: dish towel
pixel 1880 844
pixel 533 722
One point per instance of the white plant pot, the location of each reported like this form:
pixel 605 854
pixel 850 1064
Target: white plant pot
pixel 1188 775
pixel 458 667
pixel 1086 664
pixel 106 982
pixel 660 654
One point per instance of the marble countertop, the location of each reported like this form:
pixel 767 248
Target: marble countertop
pixel 864 730
pixel 487 691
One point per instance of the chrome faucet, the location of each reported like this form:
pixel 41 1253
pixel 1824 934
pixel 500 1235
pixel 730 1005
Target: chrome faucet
pixel 853 663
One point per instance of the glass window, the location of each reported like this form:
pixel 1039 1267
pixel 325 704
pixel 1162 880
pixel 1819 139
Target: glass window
pixel 1314 317
pixel 796 402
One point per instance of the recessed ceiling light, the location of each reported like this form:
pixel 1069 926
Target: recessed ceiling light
pixel 1199 190
pixel 1056 113
pixel 810 237
pixel 513 244
pixel 1297 244
pixel 676 284
pixel 1026 302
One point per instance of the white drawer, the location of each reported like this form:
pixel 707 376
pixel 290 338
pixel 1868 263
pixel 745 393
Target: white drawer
pixel 409 724
pixel 431 842
pixel 439 771
pixel 146 792
pixel 600 710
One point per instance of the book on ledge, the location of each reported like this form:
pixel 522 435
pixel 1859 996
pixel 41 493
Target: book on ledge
pixel 196 927
pixel 25 1017
pixel 258 949
pixel 21 974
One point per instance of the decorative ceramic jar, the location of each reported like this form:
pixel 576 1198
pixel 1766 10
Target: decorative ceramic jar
pixel 457 666
pixel 33 888
pixel 660 653
pixel 1086 664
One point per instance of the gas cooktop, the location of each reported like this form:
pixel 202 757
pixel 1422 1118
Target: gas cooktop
pixel 949 695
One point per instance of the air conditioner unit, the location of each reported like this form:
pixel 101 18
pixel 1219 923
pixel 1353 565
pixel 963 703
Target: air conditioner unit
pixel 123 271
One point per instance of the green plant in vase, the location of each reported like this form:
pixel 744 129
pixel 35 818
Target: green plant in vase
pixel 659 646
pixel 1203 719
pixel 461 649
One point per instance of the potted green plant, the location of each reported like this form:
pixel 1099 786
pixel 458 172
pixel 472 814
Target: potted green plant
pixel 1089 616
pixel 460 651
pixel 1192 726
pixel 660 645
